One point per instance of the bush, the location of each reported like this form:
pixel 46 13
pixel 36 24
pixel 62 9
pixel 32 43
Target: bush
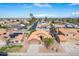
pixel 48 41
pixel 8 48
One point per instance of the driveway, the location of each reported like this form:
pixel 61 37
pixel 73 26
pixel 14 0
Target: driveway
pixel 71 48
pixel 33 49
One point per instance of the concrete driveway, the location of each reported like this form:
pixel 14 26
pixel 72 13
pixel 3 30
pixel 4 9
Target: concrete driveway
pixel 33 49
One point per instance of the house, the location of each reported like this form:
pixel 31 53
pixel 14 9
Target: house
pixel 16 38
pixel 37 36
pixel 76 26
pixel 44 26
pixel 1 22
pixel 18 26
pixel 4 33
pixel 62 38
pixel 67 34
pixel 3 37
pixel 59 26
pixel 69 25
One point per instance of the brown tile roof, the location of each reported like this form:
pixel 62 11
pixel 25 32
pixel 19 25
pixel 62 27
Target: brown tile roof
pixel 77 36
pixel 2 31
pixel 62 38
pixel 38 33
pixel 67 30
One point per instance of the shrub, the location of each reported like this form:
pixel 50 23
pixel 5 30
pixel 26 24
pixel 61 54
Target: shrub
pixel 8 48
pixel 48 41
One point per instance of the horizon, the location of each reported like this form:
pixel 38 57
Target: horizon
pixel 50 10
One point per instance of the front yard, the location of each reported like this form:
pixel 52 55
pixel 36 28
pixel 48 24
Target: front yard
pixel 14 48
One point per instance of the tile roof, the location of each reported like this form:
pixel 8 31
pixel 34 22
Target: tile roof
pixel 77 36
pixel 38 33
pixel 67 30
pixel 2 31
pixel 62 38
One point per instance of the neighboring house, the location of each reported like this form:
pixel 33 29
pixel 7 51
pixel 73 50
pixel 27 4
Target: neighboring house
pixel 76 26
pixel 66 34
pixel 18 26
pixel 4 33
pixel 43 26
pixel 59 26
pixel 69 25
pixel 1 22
pixel 3 37
pixel 16 38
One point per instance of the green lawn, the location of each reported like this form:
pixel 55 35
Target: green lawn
pixel 14 48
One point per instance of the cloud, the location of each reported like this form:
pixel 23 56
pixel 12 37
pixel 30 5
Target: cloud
pixel 75 13
pixel 26 6
pixel 72 4
pixel 42 5
pixel 44 15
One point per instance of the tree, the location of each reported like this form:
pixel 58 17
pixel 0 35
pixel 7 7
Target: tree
pixel 31 15
pixel 78 20
pixel 45 19
pixel 48 41
pixel 32 20
pixel 52 21
pixel 17 20
pixel 0 26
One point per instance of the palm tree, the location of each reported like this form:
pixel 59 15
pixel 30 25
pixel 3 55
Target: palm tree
pixel 31 15
pixel 33 19
pixel 45 19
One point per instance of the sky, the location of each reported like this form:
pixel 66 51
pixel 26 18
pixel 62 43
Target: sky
pixel 22 10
